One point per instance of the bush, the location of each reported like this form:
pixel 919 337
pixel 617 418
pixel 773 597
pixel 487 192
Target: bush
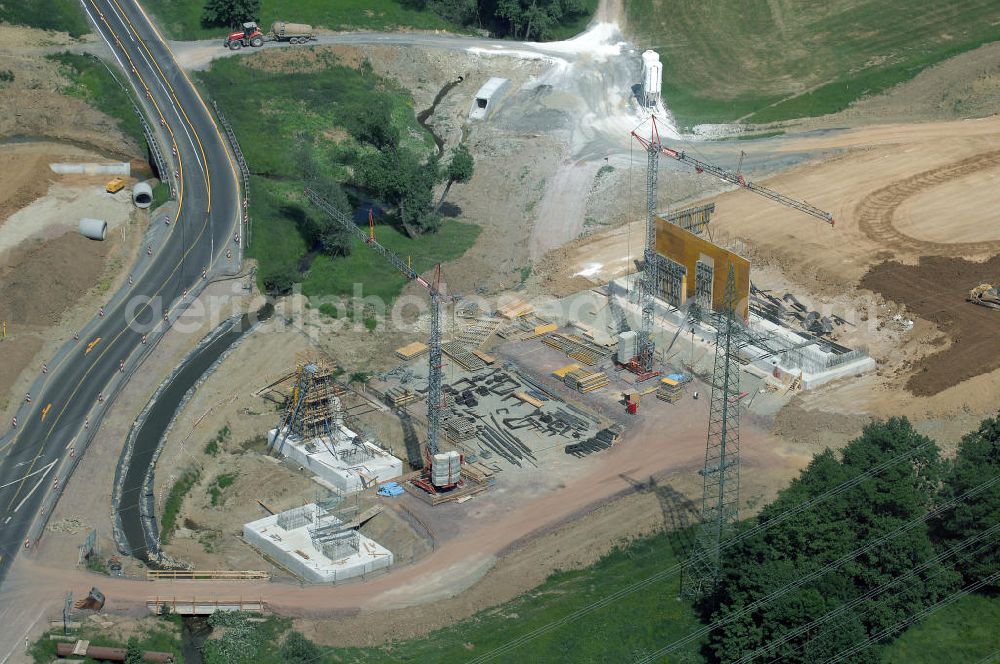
pixel 174 502
pixel 280 280
pixel 297 649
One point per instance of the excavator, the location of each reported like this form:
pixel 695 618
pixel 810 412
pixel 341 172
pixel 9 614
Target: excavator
pixel 985 295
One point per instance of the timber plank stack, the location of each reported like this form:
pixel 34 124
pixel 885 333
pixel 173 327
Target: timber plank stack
pixel 585 381
pixel 400 396
pixel 577 348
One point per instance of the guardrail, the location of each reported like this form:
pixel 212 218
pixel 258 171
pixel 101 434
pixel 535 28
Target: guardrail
pixel 154 146
pixel 244 171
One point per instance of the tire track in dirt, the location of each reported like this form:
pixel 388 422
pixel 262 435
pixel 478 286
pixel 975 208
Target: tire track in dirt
pixel 876 211
pixel 935 290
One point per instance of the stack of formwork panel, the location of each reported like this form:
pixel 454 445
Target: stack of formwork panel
pixel 515 309
pixel 585 381
pixel 410 351
pixel 561 372
pixel 459 428
pixel 669 390
pixel 477 472
pixel 577 348
pixel 459 352
pixel 476 334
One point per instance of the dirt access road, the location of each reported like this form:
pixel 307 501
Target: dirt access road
pixel 451 570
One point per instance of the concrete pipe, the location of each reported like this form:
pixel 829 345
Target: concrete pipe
pixel 95 229
pixel 142 195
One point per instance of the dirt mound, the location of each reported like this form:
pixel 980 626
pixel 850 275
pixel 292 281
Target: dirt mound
pixel 935 290
pixel 15 354
pixel 23 179
pixel 42 280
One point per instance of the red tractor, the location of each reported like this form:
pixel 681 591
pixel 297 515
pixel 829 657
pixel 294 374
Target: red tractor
pixel 250 35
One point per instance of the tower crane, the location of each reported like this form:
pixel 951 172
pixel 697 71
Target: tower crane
pixel 643 363
pixel 435 400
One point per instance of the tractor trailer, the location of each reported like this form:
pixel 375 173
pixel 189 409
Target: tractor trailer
pixel 251 35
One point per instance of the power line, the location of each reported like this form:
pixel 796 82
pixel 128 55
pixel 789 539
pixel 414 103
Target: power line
pixel 992 657
pixel 666 573
pixel 915 617
pixel 801 581
pixel 802 629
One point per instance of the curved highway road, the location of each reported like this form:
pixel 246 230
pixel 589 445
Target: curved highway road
pixel 200 241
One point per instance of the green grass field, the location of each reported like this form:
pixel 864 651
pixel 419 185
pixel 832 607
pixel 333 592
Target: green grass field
pixel 965 631
pixel 181 19
pixel 163 636
pixel 337 276
pixel 296 117
pixel 635 625
pixel 94 84
pixel 777 60
pixel 62 15
pixel 289 113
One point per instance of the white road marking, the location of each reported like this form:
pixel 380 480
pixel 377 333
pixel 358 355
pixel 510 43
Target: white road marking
pixel 154 72
pixel 34 488
pixel 29 475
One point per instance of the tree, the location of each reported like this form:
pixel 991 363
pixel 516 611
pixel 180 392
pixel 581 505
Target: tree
pixel 536 17
pixel 297 649
pixel 810 539
pixel 398 178
pixel 459 170
pixel 371 123
pixel 977 461
pixel 133 653
pixel 463 12
pixel 334 238
pixel 229 13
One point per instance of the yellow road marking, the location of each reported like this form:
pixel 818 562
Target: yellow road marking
pixel 180 205
pixel 201 148
pixel 91 345
pixel 45 411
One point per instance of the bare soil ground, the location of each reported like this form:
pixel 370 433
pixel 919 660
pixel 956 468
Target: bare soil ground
pixel 53 278
pixel 35 103
pixel 24 177
pixel 868 186
pixel 935 290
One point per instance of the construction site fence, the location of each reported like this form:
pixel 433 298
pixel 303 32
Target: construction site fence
pixel 175 574
pixel 203 606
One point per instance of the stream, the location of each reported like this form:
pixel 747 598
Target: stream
pixel 425 115
pixel 159 416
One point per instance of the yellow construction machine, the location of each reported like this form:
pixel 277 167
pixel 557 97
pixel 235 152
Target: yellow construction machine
pixel 985 295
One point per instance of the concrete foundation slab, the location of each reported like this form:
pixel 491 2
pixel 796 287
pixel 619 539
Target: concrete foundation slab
pixel 812 365
pixel 342 459
pixel 306 542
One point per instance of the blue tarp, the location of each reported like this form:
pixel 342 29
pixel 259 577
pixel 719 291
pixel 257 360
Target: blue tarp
pixel 680 378
pixel 390 489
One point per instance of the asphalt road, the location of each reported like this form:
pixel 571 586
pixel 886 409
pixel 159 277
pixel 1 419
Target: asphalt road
pixel 80 383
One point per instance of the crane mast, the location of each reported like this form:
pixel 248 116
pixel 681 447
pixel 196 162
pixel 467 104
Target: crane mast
pixel 434 392
pixel 643 363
